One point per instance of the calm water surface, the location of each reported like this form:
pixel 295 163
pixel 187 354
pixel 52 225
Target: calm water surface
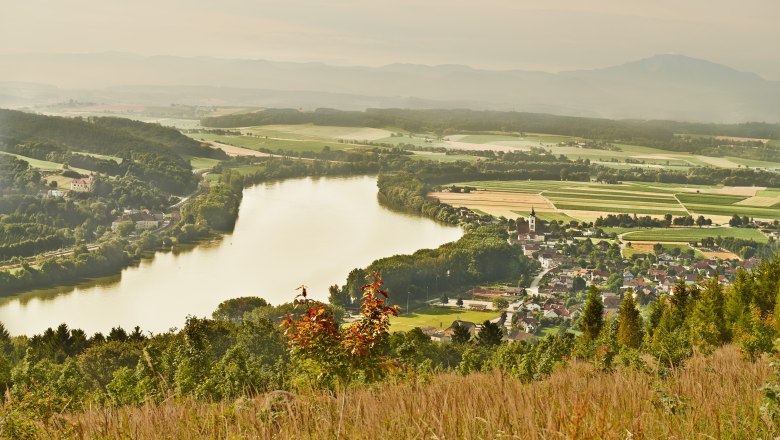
pixel 301 231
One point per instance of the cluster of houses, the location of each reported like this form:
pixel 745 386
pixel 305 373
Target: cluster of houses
pixel 467 215
pixel 551 302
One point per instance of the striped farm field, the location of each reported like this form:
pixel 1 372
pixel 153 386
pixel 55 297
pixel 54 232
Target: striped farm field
pixel 589 200
pixel 586 205
pixel 521 186
pixel 496 203
pixel 728 205
pixel 709 199
pixel 578 195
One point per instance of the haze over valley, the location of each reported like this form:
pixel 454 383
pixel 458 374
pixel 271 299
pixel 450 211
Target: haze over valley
pixel 674 87
pixel 445 219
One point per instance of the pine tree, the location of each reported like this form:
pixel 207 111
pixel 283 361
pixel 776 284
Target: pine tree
pixel 679 302
pixel 460 334
pixel 629 322
pixel 489 335
pixel 654 316
pixel 592 315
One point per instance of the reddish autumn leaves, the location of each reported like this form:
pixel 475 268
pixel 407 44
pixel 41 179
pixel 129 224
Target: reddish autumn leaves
pixel 364 334
pixel 316 336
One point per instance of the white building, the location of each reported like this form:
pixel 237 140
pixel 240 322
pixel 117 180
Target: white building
pixel 82 185
pixel 141 220
pixel 56 193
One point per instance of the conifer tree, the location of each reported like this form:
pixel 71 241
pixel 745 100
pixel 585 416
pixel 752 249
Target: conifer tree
pixel 679 303
pixel 708 329
pixel 629 322
pixel 490 334
pixel 460 334
pixel 592 315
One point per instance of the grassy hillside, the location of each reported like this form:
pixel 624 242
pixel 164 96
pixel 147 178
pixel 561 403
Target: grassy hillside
pixel 713 397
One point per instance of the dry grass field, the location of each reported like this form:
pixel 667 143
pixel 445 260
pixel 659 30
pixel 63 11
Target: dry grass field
pixel 496 203
pixel 760 201
pixel 709 398
pixel 724 255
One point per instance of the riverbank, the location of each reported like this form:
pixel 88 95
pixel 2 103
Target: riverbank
pixel 297 231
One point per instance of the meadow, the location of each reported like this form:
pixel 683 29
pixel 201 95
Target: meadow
pixel 694 234
pixel 710 397
pixel 645 248
pixel 438 317
pixel 45 165
pixel 200 163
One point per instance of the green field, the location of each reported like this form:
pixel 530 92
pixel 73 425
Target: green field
pixel 708 199
pixel 438 317
pixel 44 164
pixel 716 204
pixel 630 252
pixel 199 163
pixel 248 169
pixel 694 234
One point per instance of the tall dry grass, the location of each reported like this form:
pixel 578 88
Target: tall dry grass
pixel 714 397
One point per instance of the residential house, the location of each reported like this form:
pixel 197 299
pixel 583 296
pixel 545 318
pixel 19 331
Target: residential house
pixel 611 302
pixel 470 326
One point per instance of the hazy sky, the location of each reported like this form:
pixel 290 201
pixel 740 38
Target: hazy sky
pixel 546 35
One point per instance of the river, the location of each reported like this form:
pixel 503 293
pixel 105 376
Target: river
pixel 295 232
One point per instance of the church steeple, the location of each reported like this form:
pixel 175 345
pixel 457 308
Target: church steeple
pixel 532 220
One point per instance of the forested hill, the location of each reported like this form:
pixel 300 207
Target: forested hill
pixel 102 135
pixel 148 151
pixel 660 134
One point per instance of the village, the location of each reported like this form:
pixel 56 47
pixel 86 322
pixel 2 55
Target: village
pixel 567 267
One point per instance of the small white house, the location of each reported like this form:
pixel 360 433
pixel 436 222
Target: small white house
pixel 56 193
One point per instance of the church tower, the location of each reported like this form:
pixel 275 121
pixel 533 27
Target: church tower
pixel 532 220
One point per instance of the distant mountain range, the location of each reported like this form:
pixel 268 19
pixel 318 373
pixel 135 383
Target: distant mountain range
pixel 672 87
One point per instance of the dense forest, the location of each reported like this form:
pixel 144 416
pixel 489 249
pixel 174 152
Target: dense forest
pixel 481 255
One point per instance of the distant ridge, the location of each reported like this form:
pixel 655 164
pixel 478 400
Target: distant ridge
pixel 669 86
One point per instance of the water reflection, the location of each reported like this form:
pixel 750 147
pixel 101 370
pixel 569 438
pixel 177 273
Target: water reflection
pixel 301 231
